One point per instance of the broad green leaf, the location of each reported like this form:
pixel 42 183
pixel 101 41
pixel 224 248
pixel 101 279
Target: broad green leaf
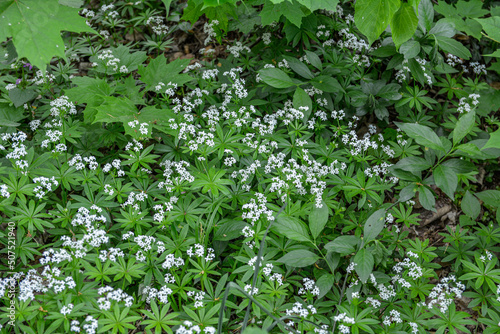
pixel 492 27
pixel 302 99
pixel 426 198
pixel 374 225
pixel 312 5
pixel 35 27
pixel 464 126
pixel 159 71
pixel 291 227
pixel 318 219
pixel 325 284
pixel 373 16
pixel 452 46
pixel 425 15
pixel 446 180
pixel 494 140
pixel 470 205
pixel 299 67
pixel 364 264
pixel 344 245
pixel 413 164
pixel 21 96
pixel 327 84
pixel 230 230
pixel 494 54
pixel 299 258
pixel 290 9
pixel 490 197
pixel 422 134
pixel 314 59
pixel 254 330
pixel 403 24
pixel 276 78
pixel 410 49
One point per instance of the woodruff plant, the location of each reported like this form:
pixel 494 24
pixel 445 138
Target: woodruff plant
pixel 279 187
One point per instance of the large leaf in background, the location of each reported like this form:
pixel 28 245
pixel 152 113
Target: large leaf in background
pixel 299 258
pixel 291 227
pixel 276 78
pixel 403 24
pixel 494 141
pixel 318 219
pixel 374 225
pixel 313 5
pixel 452 46
pixel 10 116
pixel 422 135
pixel 159 71
pixel 446 180
pixel 120 109
pixel 373 16
pixel 492 27
pixel 273 11
pixel 90 91
pixel 35 27
pixel 364 264
pixel 21 96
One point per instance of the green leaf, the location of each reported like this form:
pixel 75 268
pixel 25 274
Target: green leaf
pixel 403 24
pixel 452 46
pixel 159 71
pixel 254 330
pixel 344 245
pixel 373 16
pixel 35 27
pixel 492 27
pixel 470 205
pixel 464 126
pixel 426 198
pixel 299 258
pixel 302 99
pixel 318 219
pixel 312 5
pixel 494 140
pixel 374 225
pixel 413 164
pixel 325 284
pixel 314 59
pixel 21 96
pixel 276 78
pixel 364 264
pixel 299 67
pixel 446 180
pixel 410 49
pixel 494 54
pixel 425 15
pixel 230 230
pixel 422 135
pixel 291 227
pixel 327 84
pixel 490 197
pixel 290 9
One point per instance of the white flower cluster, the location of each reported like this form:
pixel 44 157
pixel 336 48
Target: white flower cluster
pixel 172 168
pixel 66 309
pixel 401 74
pixel 156 23
pixel 152 293
pixel 188 327
pixel 463 103
pixel 198 298
pixel 49 279
pixel 80 163
pixel 394 316
pixel 62 106
pixel 422 63
pixel 3 191
pixel 248 289
pixel 172 262
pixel 343 327
pixel 199 251
pixel 170 90
pixel 161 209
pixel 19 149
pixel 110 294
pixel 208 29
pixel 41 78
pixel 45 185
pixel 109 60
pixel 478 68
pixel 143 127
pixel 134 199
pixel 256 209
pixel 237 49
pixel 442 293
pixel 114 164
pixel 488 256
pixel 266 38
pixel 309 286
pixel 301 311
pixel 110 254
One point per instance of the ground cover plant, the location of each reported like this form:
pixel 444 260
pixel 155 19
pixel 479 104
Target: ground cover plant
pixel 257 166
